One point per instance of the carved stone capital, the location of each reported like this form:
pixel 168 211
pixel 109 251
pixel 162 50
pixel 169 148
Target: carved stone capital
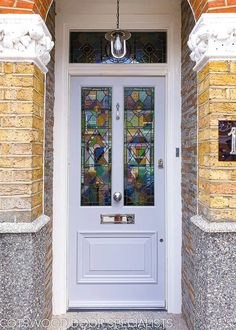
pixel 213 39
pixel 25 38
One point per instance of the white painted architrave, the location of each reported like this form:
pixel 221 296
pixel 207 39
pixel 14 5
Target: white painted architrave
pixel 213 38
pixel 172 72
pixel 25 38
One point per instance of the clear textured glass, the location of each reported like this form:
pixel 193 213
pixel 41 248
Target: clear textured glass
pixel 139 146
pixel 96 146
pixel 142 47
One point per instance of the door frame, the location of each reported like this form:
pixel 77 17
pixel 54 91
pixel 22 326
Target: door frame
pixel 172 73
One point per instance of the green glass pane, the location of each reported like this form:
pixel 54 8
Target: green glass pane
pixel 139 146
pixel 96 139
pixel 142 47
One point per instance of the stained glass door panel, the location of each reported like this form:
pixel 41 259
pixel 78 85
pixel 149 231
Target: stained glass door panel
pixel 139 146
pixel 96 109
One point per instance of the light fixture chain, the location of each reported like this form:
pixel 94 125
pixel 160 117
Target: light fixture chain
pixel 118 14
pixel 118 37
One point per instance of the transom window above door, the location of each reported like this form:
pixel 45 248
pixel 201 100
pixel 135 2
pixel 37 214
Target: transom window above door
pixel 142 47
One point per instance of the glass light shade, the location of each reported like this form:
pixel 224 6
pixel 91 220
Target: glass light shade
pixel 118 42
pixel 118 47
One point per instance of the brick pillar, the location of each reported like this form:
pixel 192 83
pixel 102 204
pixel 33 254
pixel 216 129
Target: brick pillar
pixel 213 229
pixel 213 45
pixel 25 45
pixel 216 102
pixel 21 138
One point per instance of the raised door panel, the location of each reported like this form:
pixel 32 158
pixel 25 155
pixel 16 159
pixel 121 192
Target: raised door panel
pixel 104 257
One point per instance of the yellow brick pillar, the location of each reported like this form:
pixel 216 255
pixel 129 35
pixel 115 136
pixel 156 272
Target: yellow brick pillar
pixel 216 102
pixel 213 47
pixel 25 44
pixel 21 138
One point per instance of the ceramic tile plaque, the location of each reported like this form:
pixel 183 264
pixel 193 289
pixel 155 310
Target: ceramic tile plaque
pixel 227 140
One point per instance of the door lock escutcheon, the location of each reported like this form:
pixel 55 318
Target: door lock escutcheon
pixel 160 163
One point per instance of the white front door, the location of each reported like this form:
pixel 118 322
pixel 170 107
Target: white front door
pixel 116 194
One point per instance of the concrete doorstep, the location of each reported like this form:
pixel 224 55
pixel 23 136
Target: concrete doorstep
pixel 116 320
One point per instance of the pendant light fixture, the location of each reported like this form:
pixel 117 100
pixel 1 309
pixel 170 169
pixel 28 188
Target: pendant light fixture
pixel 118 37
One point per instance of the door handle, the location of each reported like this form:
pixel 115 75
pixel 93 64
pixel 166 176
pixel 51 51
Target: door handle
pixel 117 196
pixel 160 163
pixel 117 111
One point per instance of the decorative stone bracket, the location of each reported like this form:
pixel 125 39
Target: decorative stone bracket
pixel 213 39
pixel 25 38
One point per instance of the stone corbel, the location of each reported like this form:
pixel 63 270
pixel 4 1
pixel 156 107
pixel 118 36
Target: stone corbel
pixel 213 39
pixel 25 38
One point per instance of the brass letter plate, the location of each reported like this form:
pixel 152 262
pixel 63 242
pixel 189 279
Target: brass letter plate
pixel 118 218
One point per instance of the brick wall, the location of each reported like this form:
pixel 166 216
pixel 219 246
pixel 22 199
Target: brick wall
pixel 25 7
pixel 48 162
pixel 21 142
pixel 212 6
pixel 189 162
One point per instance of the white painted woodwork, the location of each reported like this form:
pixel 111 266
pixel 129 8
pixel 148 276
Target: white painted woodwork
pixel 108 7
pixel 110 263
pixel 111 257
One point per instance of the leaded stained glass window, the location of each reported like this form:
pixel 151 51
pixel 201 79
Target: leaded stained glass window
pixel 96 146
pixel 142 47
pixel 139 146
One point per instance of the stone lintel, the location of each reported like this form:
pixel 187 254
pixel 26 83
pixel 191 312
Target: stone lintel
pixel 22 227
